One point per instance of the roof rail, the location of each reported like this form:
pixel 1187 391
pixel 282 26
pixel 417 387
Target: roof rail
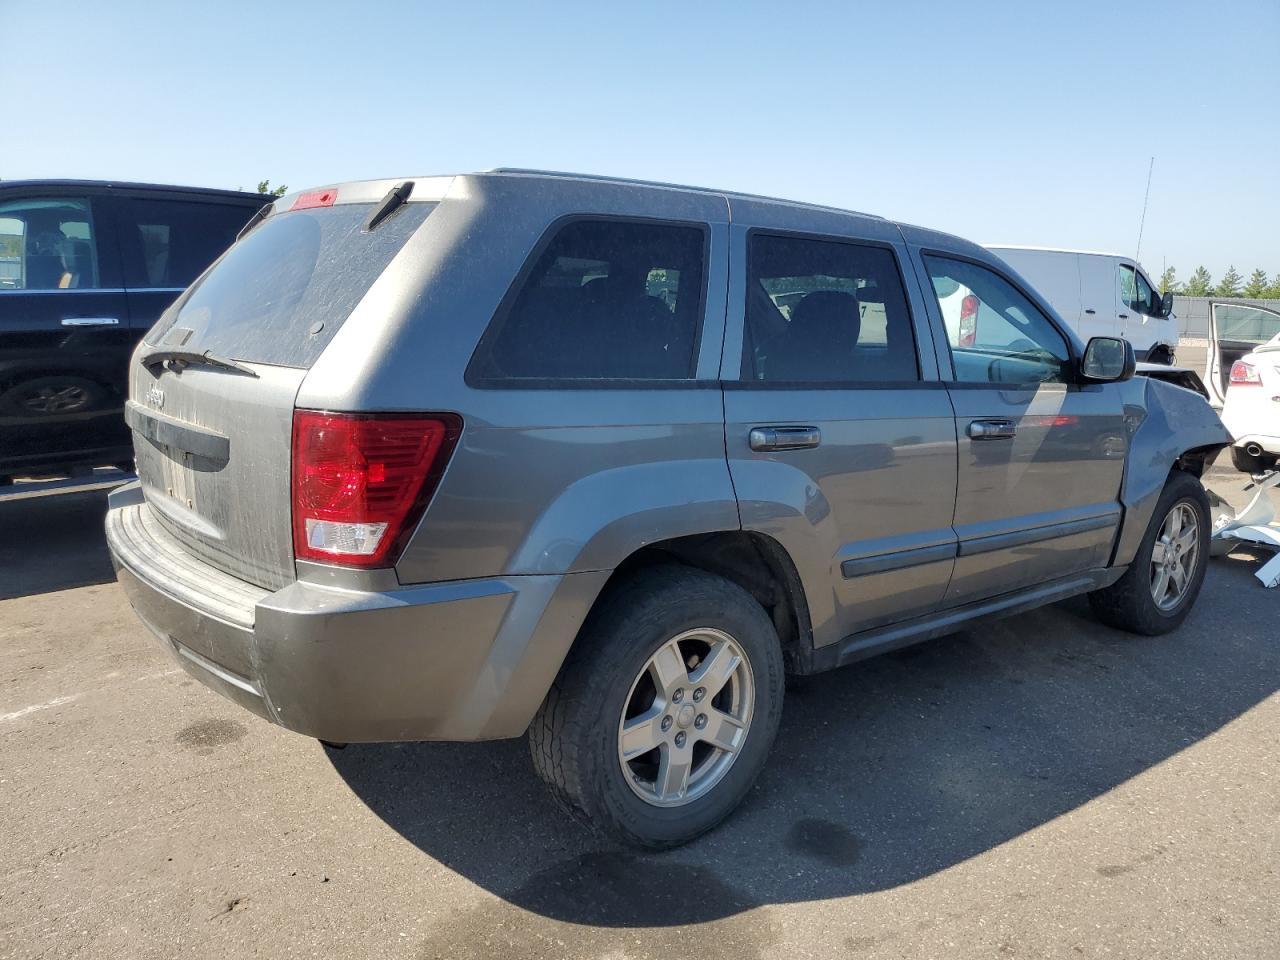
pixel 601 178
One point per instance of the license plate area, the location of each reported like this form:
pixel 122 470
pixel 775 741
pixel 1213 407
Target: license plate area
pixel 177 476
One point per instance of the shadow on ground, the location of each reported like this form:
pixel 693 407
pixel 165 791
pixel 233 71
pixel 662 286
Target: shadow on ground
pixel 52 542
pixel 883 773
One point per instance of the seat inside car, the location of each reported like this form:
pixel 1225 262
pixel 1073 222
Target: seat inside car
pixel 820 339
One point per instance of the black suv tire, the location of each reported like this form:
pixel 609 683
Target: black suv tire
pixel 1130 603
pixel 575 739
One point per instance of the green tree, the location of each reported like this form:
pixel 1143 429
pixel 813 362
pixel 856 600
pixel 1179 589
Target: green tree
pixel 264 186
pixel 1169 281
pixel 1273 291
pixel 1200 284
pixel 1229 285
pixel 1257 285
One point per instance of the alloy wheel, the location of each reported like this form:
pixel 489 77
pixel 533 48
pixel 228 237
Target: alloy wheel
pixel 1174 555
pixel 686 717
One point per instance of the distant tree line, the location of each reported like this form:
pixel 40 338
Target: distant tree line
pixel 1257 287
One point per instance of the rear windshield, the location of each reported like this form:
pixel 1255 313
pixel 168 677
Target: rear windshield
pixel 279 295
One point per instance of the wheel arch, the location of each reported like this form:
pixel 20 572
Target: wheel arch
pixel 757 563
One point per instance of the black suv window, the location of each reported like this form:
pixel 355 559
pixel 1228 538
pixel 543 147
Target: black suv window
pixel 826 311
pixel 167 243
pixel 47 244
pixel 604 300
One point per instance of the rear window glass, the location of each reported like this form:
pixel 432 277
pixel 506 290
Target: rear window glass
pixel 604 300
pixel 281 294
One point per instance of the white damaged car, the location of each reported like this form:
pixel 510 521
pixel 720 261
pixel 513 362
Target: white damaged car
pixel 1251 404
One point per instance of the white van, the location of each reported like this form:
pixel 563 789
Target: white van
pixel 1100 294
pixel 1097 294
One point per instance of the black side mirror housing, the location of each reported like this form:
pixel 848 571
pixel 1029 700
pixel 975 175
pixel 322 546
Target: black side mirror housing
pixel 1108 360
pixel 1166 305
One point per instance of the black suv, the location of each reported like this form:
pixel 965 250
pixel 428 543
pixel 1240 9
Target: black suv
pixel 86 267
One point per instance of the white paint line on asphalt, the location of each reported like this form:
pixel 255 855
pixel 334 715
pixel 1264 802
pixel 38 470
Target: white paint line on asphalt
pixel 37 707
pixel 59 701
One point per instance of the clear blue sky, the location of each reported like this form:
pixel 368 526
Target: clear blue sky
pixel 1018 122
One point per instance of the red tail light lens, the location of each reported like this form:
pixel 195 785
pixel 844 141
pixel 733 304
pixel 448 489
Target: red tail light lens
pixel 968 320
pixel 1245 375
pixel 361 482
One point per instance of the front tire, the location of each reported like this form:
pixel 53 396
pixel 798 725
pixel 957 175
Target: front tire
pixel 1161 585
pixel 663 714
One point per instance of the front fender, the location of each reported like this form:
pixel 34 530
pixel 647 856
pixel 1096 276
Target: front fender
pixel 1165 422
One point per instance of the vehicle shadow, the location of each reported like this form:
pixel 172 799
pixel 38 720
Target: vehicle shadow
pixel 53 541
pixel 883 773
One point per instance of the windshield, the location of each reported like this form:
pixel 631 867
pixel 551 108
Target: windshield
pixel 279 295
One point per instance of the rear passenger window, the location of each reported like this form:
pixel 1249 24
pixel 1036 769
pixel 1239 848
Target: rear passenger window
pixel 826 311
pixel 605 300
pixel 47 244
pixel 168 243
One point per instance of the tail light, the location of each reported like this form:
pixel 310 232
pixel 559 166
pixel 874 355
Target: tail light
pixel 1245 375
pixel 361 482
pixel 315 198
pixel 968 321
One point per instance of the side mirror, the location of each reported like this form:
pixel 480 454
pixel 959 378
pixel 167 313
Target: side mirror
pixel 1166 305
pixel 1107 360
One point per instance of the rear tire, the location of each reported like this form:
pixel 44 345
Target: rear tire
pixel 611 700
pixel 1251 465
pixel 1168 547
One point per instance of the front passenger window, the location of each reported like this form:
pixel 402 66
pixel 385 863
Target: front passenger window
pixel 995 333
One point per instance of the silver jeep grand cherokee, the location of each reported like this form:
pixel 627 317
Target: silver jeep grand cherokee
pixel 602 461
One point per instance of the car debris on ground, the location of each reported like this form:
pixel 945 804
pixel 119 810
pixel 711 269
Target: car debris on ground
pixel 1254 525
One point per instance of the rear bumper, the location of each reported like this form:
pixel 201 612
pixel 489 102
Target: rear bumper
pixel 1268 443
pixel 466 660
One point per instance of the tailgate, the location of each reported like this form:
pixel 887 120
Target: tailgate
pixel 213 451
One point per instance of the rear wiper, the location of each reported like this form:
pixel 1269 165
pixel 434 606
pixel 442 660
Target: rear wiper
pixel 395 198
pixel 180 358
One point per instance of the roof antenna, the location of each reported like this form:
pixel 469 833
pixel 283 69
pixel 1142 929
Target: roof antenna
pixel 1143 222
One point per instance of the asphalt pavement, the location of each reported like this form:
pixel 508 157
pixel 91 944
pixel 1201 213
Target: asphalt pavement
pixel 1040 787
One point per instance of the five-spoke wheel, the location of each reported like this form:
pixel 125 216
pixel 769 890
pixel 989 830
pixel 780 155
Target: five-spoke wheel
pixel 1174 555
pixel 686 717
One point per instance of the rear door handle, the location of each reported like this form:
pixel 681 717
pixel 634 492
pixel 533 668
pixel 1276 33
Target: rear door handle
pixel 90 321
pixel 784 438
pixel 992 430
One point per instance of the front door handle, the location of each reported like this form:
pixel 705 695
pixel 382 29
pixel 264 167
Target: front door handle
pixel 992 430
pixel 784 438
pixel 90 321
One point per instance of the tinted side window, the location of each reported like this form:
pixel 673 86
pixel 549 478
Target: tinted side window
pixel 825 311
pixel 1128 287
pixel 168 243
pixel 605 299
pixel 996 334
pixel 47 244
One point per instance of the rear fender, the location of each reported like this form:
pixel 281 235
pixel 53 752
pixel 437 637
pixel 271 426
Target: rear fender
pixel 601 519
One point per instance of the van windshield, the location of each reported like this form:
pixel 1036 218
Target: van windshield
pixel 280 294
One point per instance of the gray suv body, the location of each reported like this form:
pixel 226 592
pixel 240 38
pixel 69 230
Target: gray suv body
pixel 465 457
